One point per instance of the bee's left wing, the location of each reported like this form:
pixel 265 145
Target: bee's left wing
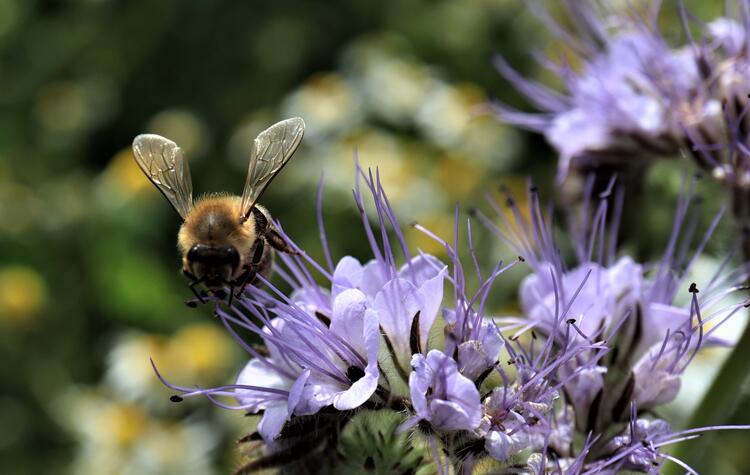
pixel 162 162
pixel 271 150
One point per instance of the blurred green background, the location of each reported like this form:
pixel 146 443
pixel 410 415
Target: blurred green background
pixel 89 273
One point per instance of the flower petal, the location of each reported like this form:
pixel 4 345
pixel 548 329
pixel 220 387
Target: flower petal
pixel 274 418
pixel 346 275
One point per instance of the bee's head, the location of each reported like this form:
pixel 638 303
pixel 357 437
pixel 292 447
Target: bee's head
pixel 213 265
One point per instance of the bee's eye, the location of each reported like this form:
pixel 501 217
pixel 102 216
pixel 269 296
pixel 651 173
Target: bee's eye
pixel 214 255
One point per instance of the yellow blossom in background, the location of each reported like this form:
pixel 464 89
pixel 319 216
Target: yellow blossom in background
pixel 107 421
pixel 23 295
pixel 123 176
pixel 202 351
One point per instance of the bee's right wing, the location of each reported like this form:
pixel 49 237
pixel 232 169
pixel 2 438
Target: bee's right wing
pixel 272 149
pixel 162 162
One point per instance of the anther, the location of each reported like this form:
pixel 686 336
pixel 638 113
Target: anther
pixel 175 398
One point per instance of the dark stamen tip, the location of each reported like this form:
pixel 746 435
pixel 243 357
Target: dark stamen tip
pixel 521 258
pixel 473 211
pixel 324 319
pixel 533 189
pixel 175 398
pixel 693 288
pixel 570 321
pixel 414 224
pixel 191 303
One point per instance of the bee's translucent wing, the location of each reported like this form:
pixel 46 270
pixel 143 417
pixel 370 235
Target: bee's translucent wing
pixel 271 150
pixel 162 162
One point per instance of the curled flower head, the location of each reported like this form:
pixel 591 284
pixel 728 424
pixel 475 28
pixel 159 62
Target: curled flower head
pixel 617 110
pixel 635 96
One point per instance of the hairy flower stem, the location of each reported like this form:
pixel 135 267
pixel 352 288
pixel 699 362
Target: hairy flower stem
pixel 721 399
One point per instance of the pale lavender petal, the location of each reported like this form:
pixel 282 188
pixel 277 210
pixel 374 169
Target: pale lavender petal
pixel 347 275
pixel 348 317
pixel 655 384
pixel 419 383
pixel 374 277
pixel 449 415
pixel 274 418
pixel 365 387
pixel 432 297
pixel 397 304
pixel 453 402
pixel 257 373
pixel 297 392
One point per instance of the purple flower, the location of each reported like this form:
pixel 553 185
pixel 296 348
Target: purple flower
pixel 593 296
pixel 441 395
pixel 476 357
pixel 634 97
pixel 318 365
pixel 634 342
pixel 636 448
pixel 619 105
pixel 397 297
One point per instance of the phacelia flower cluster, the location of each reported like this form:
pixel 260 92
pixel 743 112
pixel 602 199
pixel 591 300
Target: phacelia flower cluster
pixel 633 95
pixel 399 354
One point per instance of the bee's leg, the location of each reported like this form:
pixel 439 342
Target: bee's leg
pixel 191 303
pixel 195 281
pixel 246 278
pixel 230 298
pixel 278 242
pixel 250 270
